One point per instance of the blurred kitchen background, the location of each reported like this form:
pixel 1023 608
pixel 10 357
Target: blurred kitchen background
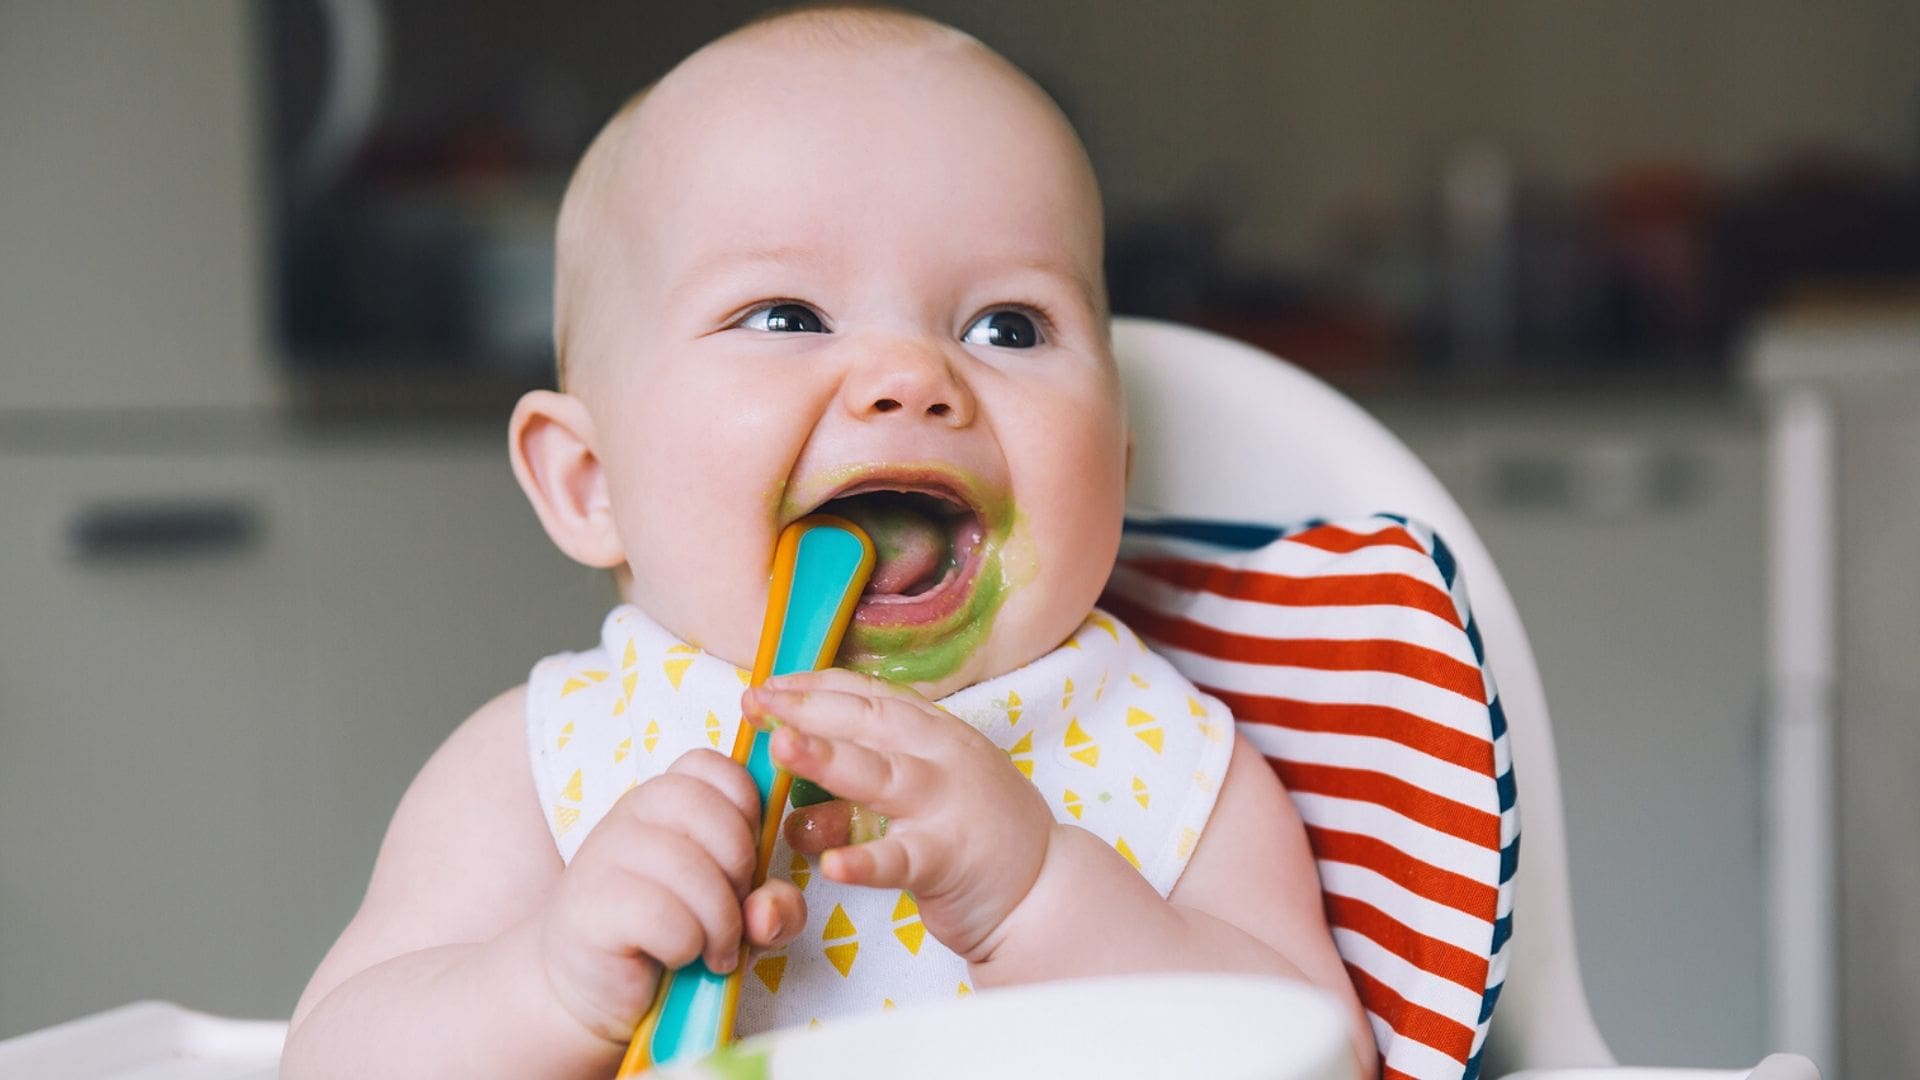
pixel 1640 281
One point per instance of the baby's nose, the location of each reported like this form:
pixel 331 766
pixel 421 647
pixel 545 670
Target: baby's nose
pixel 909 382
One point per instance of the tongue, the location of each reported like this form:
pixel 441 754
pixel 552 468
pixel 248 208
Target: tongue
pixel 909 546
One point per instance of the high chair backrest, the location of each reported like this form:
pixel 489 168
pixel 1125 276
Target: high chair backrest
pixel 1224 430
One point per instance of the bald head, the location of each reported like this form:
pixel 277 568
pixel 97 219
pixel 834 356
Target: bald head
pixel 796 76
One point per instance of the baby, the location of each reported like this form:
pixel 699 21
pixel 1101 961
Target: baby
pixel 841 259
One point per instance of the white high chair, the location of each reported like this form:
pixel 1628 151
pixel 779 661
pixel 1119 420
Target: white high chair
pixel 1225 430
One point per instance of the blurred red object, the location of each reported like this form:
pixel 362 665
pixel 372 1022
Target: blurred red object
pixel 1656 227
pixel 1336 342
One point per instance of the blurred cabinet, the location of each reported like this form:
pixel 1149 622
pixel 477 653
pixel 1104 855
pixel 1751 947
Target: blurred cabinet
pixel 142 681
pixel 1630 530
pixel 226 643
pixel 428 587
pixel 1843 384
pixel 218 671
pixel 132 269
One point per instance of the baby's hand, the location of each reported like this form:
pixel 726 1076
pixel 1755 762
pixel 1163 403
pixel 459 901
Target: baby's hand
pixel 659 882
pixel 963 830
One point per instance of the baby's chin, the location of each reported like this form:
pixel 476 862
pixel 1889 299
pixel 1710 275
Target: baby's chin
pixel 1006 639
pixel 928 672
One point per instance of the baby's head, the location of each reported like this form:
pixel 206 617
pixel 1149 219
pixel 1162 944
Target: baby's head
pixel 842 260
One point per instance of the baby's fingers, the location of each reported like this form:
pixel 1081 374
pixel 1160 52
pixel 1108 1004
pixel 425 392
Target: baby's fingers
pixel 698 883
pixel 901 861
pixel 847 682
pixel 690 807
pixel 876 719
pixel 640 914
pixel 724 775
pixel 890 782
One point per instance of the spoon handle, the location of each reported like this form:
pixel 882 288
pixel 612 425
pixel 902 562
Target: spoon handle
pixel 820 566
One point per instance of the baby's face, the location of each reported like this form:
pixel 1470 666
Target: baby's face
pixel 870 289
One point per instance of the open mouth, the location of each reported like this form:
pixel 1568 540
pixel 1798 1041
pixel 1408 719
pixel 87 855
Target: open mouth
pixel 927 545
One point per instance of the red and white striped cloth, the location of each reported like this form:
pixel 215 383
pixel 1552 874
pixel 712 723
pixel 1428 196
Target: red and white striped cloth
pixel 1350 658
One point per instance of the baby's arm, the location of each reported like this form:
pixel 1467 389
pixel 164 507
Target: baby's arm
pixel 1025 898
pixel 1248 901
pixel 476 954
pixel 441 962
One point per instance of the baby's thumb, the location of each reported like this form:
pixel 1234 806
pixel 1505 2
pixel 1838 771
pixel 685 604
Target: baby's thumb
pixel 775 914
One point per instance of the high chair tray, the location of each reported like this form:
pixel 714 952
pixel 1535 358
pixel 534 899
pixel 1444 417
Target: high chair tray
pixel 148 1040
pixel 1139 1027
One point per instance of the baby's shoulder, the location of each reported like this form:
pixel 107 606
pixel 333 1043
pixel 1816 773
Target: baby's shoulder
pixel 466 853
pixel 497 727
pixel 474 801
pixel 482 760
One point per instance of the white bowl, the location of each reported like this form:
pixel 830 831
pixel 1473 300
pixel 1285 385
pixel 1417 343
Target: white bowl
pixel 1225 1027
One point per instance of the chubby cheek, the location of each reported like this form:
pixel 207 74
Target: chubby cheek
pixel 1070 498
pixel 694 475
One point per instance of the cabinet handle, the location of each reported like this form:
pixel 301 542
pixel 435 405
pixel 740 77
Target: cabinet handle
pixel 119 531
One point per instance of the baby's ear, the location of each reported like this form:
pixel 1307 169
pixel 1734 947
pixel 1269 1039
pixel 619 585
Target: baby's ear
pixel 551 441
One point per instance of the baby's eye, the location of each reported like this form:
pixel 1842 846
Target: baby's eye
pixel 784 318
pixel 1007 329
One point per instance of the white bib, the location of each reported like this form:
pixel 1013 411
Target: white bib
pixel 1115 739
